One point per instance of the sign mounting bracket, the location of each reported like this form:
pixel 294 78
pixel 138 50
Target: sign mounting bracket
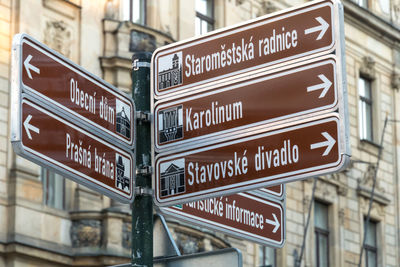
pixel 143 191
pixel 143 116
pixel 144 170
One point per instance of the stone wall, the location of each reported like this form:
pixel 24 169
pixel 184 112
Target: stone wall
pixel 5 60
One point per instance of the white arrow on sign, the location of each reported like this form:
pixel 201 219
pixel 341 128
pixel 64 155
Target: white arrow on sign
pixel 274 222
pixel 324 86
pixel 329 143
pixel 322 28
pixel 29 127
pixel 28 66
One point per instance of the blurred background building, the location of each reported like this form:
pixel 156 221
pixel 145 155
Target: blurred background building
pixel 46 220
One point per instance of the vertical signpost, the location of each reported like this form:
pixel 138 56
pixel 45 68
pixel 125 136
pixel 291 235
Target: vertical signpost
pixel 254 105
pixel 142 219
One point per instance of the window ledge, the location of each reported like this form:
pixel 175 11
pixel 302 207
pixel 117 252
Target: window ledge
pixel 379 197
pixel 384 30
pixel 369 146
pixel 58 212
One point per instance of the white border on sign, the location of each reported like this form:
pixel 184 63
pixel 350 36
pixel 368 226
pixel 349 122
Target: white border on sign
pixel 212 138
pixel 177 47
pixel 231 230
pixel 77 69
pixel 57 164
pixel 259 182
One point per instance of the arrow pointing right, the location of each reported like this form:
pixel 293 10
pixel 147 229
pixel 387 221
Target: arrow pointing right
pixel 321 28
pixel 329 143
pixel 325 86
pixel 274 222
pixel 28 67
pixel 30 127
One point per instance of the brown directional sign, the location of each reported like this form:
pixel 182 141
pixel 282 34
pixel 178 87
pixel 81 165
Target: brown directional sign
pixel 265 41
pixel 68 88
pixel 62 146
pixel 242 215
pixel 254 101
pixel 265 158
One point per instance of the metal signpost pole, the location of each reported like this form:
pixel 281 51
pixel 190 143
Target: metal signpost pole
pixel 142 207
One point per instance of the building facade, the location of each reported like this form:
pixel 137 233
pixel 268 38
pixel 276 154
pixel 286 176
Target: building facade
pixel 46 220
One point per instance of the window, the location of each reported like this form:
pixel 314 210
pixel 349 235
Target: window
pixel 365 109
pixel 53 189
pixel 266 257
pixel 362 3
pixel 321 235
pixel 204 16
pixel 371 248
pixel 134 10
pixel 385 6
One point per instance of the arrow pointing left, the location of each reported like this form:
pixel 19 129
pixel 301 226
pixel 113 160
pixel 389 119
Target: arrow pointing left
pixel 274 222
pixel 28 67
pixel 29 127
